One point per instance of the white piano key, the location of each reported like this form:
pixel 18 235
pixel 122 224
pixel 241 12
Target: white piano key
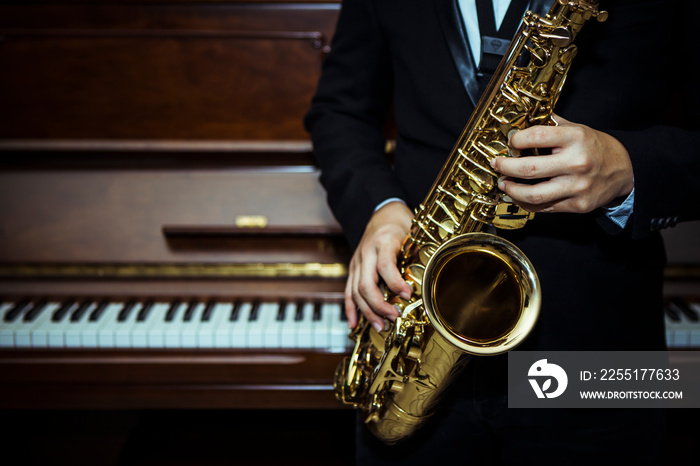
pixel 124 329
pixel 275 326
pixel 24 336
pixel 56 331
pixel 89 329
pixel 173 328
pixel 695 329
pixel 191 327
pixel 322 328
pixel 339 341
pixel 139 331
pixel 305 327
pixel 206 331
pixel 266 313
pixel 224 327
pixel 671 326
pixel 49 333
pixel 238 334
pixel 109 325
pixel 75 329
pixel 290 329
pixel 8 329
pixel 155 328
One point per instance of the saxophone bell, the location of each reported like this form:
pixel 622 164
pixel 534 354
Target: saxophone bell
pixel 481 293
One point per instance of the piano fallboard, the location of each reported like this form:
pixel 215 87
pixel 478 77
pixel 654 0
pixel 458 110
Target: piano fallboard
pixel 172 378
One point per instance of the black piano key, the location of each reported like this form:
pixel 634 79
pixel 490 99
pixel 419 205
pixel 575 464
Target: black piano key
pixel 235 312
pixel 34 311
pixel 317 312
pixel 16 311
pixel 281 312
pixel 144 311
pixel 98 311
pixel 254 312
pixel 170 315
pixel 299 314
pixel 80 311
pixel 686 310
pixel 189 313
pixel 62 311
pixel 126 310
pixel 343 316
pixel 208 310
pixel 672 313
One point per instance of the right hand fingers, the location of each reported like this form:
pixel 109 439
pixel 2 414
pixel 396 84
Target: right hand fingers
pixel 362 293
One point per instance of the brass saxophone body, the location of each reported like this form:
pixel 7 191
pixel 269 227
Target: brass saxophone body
pixel 474 293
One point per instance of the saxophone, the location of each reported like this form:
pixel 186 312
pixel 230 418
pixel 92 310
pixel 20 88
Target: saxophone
pixel 474 293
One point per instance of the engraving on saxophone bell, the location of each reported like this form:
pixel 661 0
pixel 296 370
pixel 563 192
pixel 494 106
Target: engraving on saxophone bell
pixel 474 293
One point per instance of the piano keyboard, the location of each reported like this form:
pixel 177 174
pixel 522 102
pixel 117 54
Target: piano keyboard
pixel 682 324
pixel 239 324
pixel 194 324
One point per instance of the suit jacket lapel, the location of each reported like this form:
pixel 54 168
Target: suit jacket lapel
pixel 451 22
pixel 541 7
pixel 450 19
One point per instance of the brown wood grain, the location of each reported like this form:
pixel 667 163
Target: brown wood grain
pixel 163 70
pixel 185 379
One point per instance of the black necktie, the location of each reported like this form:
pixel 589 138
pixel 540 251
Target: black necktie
pixel 495 42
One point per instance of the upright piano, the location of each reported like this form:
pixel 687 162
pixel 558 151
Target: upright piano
pixel 165 242
pixel 169 271
pixel 167 260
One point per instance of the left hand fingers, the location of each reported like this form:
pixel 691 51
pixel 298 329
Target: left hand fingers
pixel 560 194
pixel 531 168
pixel 546 136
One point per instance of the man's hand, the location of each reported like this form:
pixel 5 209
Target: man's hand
pixel 375 260
pixel 586 170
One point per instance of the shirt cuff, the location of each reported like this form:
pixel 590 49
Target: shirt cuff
pixel 620 214
pixel 391 199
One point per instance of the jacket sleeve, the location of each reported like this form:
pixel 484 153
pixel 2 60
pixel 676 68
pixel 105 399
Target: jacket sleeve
pixel 666 159
pixel 666 164
pixel 347 118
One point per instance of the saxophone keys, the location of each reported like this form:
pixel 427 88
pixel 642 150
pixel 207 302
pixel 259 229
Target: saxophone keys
pixel 566 56
pixel 561 36
pixel 374 413
pixel 396 386
pixel 460 202
pixel 505 199
pixel 538 55
pixel 446 229
pixel 414 277
pixel 426 251
pixel 414 353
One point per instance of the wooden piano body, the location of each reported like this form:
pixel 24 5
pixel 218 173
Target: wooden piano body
pixel 143 139
pixel 153 153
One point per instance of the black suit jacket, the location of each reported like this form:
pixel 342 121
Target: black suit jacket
pixel 601 286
